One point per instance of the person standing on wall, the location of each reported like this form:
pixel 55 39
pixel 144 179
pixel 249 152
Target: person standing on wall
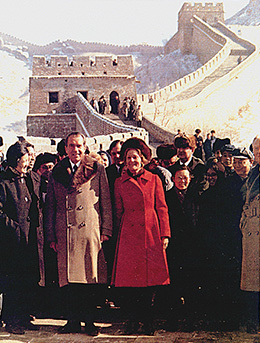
pixel 102 104
pixel 78 221
pixel 139 116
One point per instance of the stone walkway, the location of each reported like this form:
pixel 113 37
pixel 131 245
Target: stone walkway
pixel 110 332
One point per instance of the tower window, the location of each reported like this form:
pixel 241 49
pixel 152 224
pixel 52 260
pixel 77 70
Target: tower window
pixel 53 97
pixel 85 94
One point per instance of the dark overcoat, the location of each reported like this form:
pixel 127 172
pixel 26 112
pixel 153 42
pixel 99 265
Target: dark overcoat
pixel 183 251
pixel 78 212
pixel 21 232
pixel 142 218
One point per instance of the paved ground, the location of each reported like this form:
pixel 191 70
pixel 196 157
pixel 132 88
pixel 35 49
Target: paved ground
pixel 110 332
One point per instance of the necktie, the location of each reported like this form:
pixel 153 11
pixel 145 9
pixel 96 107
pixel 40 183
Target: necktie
pixel 74 168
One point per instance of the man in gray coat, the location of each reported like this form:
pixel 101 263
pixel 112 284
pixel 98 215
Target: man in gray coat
pixel 78 221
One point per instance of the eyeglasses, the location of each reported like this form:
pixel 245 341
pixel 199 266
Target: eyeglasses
pixel 212 175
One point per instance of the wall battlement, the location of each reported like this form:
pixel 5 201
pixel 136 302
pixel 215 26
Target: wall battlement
pixel 210 13
pixel 83 65
pixel 208 6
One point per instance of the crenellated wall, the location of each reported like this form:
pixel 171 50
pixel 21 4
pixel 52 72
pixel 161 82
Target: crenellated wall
pixel 190 80
pixel 67 87
pixel 83 65
pixel 183 40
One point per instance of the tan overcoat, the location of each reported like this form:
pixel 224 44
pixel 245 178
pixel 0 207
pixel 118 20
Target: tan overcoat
pixel 250 230
pixel 78 211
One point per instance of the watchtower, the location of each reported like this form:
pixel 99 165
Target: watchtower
pixel 208 12
pixel 58 79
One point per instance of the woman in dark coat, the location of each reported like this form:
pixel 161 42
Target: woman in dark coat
pixel 21 239
pixel 142 218
pixel 183 248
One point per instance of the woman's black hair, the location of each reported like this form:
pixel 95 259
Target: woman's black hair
pixel 177 167
pixel 107 154
pixel 15 152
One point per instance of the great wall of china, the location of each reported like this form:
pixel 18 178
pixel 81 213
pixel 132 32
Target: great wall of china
pixel 201 31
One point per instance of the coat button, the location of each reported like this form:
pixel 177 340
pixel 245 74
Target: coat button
pixel 80 190
pixel 28 219
pixel 80 208
pixel 69 208
pixel 26 199
pixel 69 226
pixel 81 225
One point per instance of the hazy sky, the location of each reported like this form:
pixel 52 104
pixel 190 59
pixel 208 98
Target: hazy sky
pixel 121 22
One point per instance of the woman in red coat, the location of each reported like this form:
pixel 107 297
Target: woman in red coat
pixel 143 222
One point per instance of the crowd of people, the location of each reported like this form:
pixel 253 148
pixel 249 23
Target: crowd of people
pixel 129 109
pixel 172 236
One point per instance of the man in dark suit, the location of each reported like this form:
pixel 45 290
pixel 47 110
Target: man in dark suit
pixel 185 146
pixel 113 172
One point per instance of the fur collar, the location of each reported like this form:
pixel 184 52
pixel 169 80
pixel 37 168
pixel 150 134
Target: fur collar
pixel 85 172
pixel 62 172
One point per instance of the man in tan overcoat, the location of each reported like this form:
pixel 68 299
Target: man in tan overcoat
pixel 78 221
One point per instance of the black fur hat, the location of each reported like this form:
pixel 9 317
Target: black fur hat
pixel 136 143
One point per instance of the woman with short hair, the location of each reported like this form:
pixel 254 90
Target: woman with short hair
pixel 21 238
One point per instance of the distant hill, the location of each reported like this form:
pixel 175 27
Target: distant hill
pixel 249 15
pixel 71 47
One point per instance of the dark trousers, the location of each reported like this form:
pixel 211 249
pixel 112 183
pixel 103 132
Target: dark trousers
pixel 137 303
pixel 19 298
pixel 82 300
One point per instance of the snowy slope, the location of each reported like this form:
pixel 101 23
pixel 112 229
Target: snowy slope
pixel 163 70
pixel 14 91
pixel 249 15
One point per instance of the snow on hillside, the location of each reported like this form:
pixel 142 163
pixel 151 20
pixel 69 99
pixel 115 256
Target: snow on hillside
pixel 14 100
pixel 163 70
pixel 249 15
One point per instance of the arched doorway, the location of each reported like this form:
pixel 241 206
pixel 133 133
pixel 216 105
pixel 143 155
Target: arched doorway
pixel 114 102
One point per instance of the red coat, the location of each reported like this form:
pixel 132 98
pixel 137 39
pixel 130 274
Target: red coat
pixel 142 217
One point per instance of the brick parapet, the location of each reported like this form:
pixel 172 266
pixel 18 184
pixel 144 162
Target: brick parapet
pixel 196 100
pixel 85 120
pixel 157 131
pixel 83 65
pixel 101 142
pixel 94 121
pixel 242 41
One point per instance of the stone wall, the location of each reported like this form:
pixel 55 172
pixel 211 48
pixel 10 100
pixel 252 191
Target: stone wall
pixel 68 87
pixel 83 65
pixel 84 119
pixel 208 12
pixel 96 143
pixel 97 124
pixel 190 80
pixel 173 44
pixel 206 42
pixel 158 132
pixel 51 125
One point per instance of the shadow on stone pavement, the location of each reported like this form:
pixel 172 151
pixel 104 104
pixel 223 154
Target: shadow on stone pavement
pixel 112 332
